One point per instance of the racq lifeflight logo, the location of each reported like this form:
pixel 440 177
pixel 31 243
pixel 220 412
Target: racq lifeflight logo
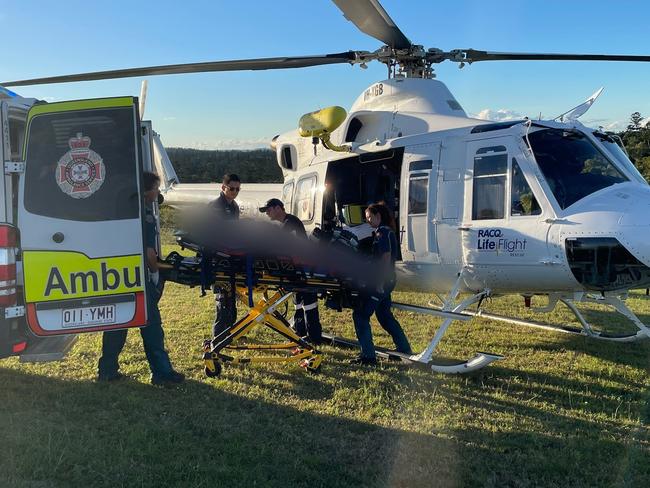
pixel 493 240
pixel 80 172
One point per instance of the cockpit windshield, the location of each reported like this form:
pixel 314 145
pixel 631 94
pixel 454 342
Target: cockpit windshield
pixel 572 165
pixel 614 145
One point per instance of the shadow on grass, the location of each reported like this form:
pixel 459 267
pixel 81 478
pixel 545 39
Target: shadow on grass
pixel 633 354
pixel 56 432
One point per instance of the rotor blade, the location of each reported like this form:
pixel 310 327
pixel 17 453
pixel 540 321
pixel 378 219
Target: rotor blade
pixel 371 18
pixel 234 65
pixel 143 97
pixel 472 55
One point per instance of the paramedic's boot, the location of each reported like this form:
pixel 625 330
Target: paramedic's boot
pixel 105 378
pixel 169 379
pixel 363 361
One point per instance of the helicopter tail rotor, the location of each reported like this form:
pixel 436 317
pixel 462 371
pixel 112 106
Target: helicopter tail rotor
pixel 143 98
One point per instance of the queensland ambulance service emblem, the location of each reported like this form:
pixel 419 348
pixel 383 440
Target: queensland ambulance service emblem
pixel 80 172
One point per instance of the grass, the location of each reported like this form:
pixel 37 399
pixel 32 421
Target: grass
pixel 560 410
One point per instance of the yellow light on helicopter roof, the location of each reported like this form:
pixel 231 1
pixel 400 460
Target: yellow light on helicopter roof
pixel 321 122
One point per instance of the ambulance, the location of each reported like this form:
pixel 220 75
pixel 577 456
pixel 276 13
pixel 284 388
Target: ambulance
pixel 71 221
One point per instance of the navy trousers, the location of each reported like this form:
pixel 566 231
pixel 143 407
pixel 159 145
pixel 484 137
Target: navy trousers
pixel 225 309
pixel 306 320
pixel 380 306
pixel 153 339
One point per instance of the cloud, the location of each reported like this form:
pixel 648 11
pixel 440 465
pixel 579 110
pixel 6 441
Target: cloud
pixel 241 144
pixel 167 119
pixel 607 124
pixel 616 125
pixel 498 115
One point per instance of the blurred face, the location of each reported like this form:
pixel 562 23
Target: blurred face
pixel 151 196
pixel 274 213
pixel 231 190
pixel 373 219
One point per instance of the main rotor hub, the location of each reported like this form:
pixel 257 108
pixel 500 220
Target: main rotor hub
pixel 412 62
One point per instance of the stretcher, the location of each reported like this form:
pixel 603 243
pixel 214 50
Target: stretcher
pixel 272 278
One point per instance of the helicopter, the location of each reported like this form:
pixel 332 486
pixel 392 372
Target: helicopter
pixel 546 208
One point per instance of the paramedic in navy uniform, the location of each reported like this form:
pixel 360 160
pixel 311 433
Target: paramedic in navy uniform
pixel 153 337
pixel 305 320
pixel 384 254
pixel 225 207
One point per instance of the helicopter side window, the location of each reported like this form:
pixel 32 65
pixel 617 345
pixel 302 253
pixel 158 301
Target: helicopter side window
pixel 572 166
pixel 287 193
pixel 418 190
pixel 305 199
pixel 489 188
pixel 522 200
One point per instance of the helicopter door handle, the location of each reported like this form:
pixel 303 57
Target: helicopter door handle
pixel 465 229
pixel 58 237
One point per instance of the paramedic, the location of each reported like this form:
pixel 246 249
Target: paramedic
pixel 306 321
pixel 384 254
pixel 153 337
pixel 225 207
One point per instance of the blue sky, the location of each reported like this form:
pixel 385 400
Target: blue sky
pixel 246 109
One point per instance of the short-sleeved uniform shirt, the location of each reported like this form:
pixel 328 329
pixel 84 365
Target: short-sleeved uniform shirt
pixel 293 225
pixel 384 241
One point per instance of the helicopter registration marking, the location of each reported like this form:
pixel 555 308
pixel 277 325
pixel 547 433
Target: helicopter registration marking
pixel 374 91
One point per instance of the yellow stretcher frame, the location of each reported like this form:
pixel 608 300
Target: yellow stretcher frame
pixel 263 313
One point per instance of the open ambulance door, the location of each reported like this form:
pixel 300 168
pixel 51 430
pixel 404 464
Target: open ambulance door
pixel 80 217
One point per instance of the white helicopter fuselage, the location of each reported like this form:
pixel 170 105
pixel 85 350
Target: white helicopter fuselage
pixel 527 207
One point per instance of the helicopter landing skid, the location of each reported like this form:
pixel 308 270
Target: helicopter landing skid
pixel 586 329
pixel 480 360
pixel 620 307
pixel 439 365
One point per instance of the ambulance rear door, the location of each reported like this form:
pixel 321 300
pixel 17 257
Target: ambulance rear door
pixel 80 217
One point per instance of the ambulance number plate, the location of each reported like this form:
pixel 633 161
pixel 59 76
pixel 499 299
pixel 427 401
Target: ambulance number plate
pixel 101 314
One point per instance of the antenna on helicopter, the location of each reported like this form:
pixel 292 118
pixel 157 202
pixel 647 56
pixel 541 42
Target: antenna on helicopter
pixel 581 109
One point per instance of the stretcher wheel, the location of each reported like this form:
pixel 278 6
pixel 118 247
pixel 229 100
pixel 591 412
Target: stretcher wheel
pixel 311 365
pixel 213 374
pixel 315 370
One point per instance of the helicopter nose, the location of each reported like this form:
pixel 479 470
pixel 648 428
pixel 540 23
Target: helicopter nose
pixel 607 238
pixel 634 228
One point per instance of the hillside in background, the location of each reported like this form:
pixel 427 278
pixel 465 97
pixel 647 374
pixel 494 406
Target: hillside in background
pixel 202 166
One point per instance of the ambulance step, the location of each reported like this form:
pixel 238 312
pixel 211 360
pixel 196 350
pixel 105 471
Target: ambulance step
pixel 44 349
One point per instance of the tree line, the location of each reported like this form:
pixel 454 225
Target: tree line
pixel 203 166
pixel 636 139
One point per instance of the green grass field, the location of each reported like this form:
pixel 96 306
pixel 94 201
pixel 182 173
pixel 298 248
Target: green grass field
pixel 560 410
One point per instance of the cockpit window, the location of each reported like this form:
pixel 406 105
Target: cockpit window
pixel 572 165
pixel 614 145
pixel 522 199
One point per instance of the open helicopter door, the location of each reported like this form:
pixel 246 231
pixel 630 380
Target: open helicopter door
pixel 418 203
pixel 505 229
pixel 79 213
